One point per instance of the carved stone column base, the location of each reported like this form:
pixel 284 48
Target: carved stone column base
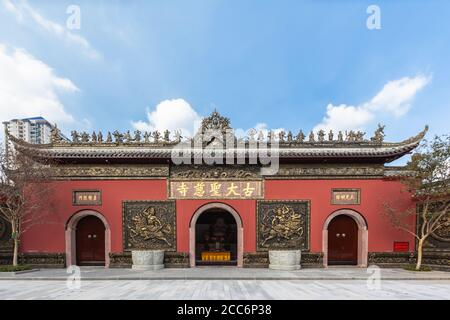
pixel 284 259
pixel 147 259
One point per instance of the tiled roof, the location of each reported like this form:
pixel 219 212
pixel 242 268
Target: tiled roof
pixel 385 151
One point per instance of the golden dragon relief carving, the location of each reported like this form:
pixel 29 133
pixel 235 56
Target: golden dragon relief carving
pixel 283 226
pixel 149 225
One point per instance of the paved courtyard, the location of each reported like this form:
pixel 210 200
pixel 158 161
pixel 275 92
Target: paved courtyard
pixel 225 289
pixel 231 273
pixel 227 283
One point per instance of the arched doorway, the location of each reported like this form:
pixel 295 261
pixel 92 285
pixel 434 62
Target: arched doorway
pixel 344 239
pixel 90 242
pixel 88 239
pixel 216 236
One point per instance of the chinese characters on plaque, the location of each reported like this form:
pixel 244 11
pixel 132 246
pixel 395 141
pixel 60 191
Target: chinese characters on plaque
pixel 82 198
pixel 345 196
pixel 206 189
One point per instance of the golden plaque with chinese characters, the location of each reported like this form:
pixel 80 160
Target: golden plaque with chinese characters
pixel 87 197
pixel 210 189
pixel 345 196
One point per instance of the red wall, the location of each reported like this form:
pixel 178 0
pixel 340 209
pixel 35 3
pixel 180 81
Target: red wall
pixel 374 193
pixel 49 237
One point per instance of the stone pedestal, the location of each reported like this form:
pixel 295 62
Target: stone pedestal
pixel 147 259
pixel 284 259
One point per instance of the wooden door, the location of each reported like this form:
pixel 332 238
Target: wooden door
pixel 342 241
pixel 90 239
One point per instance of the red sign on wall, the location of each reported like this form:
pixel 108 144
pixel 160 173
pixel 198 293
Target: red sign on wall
pixel 401 246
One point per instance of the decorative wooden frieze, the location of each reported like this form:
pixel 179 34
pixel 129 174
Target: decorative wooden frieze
pixel 111 171
pixel 345 196
pixel 283 224
pixel 212 189
pixel 86 197
pixel 149 225
pixel 323 171
pixel 238 172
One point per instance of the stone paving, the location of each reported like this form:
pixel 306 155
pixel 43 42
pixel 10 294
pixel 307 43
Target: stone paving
pixel 225 289
pixel 231 273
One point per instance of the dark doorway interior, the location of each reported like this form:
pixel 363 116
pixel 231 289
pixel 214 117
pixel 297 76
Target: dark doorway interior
pixel 342 241
pixel 90 242
pixel 216 238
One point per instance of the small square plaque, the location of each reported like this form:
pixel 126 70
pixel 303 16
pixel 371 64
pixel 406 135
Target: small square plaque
pixel 87 197
pixel 345 196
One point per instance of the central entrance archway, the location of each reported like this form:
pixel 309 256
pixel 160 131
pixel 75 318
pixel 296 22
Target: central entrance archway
pixel 216 236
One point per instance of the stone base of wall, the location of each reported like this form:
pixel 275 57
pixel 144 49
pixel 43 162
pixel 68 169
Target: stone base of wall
pixel 37 260
pixel 120 260
pixel 171 260
pixel 256 260
pixel 261 260
pixel 176 260
pixel 5 258
pixel 439 260
pixel 312 260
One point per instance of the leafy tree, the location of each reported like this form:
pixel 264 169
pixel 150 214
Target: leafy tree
pixel 25 189
pixel 429 185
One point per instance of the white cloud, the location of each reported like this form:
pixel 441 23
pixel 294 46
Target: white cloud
pixel 175 114
pixel 13 9
pixel 29 87
pixel 396 96
pixel 344 117
pixel 22 9
pixel 395 99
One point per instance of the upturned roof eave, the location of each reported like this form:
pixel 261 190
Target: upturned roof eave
pixel 385 151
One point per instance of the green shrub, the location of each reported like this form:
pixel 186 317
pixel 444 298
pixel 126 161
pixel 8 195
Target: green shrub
pixel 11 268
pixel 412 267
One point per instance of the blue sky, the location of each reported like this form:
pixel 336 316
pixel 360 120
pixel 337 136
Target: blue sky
pixel 271 64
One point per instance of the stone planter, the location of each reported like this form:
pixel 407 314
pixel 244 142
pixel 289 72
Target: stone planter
pixel 147 259
pixel 284 259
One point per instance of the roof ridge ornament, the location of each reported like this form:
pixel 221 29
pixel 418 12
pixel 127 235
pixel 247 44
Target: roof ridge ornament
pixel 379 134
pixel 215 121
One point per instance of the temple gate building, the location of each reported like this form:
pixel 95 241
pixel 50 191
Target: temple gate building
pixel 118 192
